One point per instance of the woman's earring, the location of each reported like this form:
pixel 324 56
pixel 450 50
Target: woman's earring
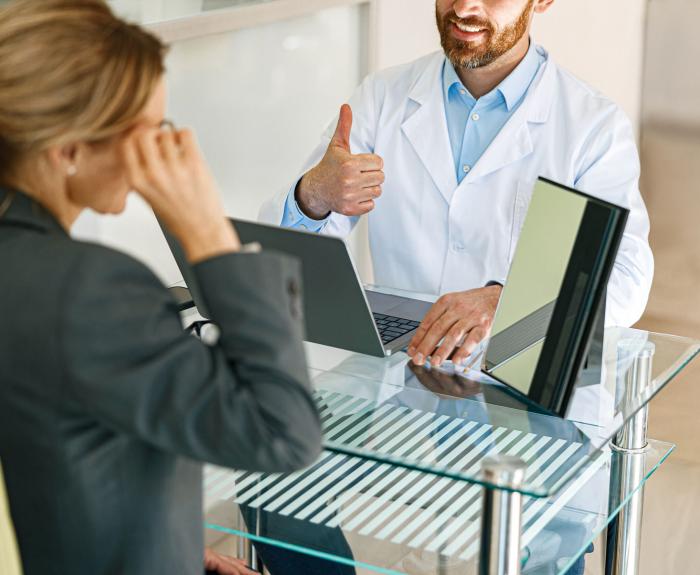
pixel 72 170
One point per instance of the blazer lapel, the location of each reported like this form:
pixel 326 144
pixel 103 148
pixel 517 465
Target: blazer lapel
pixel 426 130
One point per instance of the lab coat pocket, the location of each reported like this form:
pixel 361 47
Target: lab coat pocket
pixel 522 201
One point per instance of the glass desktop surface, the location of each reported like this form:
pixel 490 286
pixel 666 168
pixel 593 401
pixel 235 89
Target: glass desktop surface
pixel 367 516
pixel 445 421
pixel 398 488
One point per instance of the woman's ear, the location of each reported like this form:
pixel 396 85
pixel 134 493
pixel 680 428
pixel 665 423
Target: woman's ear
pixel 64 158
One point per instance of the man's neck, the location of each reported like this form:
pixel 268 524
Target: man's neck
pixel 480 81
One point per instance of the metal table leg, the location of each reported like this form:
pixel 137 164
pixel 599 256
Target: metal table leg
pixel 628 465
pixel 251 523
pixel 501 516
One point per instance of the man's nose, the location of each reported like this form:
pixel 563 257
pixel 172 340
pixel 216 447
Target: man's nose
pixel 466 8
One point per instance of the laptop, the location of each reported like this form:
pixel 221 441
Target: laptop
pixel 339 311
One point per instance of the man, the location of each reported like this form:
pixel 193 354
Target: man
pixel 442 155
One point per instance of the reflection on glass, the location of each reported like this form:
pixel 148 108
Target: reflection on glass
pixel 535 279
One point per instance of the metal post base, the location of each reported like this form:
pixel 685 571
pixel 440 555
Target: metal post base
pixel 501 516
pixel 628 465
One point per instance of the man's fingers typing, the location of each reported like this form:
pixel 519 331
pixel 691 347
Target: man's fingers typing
pixel 473 339
pixel 437 309
pixel 449 343
pixel 435 334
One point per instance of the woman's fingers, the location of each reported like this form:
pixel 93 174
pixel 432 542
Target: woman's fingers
pixel 188 144
pixel 132 164
pixel 170 149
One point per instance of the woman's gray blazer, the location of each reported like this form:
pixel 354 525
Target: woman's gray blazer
pixel 108 408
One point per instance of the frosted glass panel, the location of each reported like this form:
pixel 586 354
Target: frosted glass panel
pixel 258 100
pixel 158 10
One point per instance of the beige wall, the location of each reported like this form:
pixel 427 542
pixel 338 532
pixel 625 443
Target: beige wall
pixel 671 80
pixel 602 42
pixel 405 31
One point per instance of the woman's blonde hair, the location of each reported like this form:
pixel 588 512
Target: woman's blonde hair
pixel 70 71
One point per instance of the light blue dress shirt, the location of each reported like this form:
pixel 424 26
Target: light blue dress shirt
pixel 471 124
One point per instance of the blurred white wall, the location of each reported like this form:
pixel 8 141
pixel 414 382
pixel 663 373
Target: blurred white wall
pixel 259 98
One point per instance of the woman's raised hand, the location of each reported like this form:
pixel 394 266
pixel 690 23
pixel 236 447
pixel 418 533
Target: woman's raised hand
pixel 167 169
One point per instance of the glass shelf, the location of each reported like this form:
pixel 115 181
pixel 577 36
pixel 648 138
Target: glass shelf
pixel 386 519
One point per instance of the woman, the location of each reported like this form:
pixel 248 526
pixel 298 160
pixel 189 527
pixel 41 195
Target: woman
pixel 107 408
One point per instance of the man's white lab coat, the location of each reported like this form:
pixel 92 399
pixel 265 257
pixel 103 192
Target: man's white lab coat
pixel 431 235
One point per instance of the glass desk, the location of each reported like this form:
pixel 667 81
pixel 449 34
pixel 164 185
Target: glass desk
pixel 442 471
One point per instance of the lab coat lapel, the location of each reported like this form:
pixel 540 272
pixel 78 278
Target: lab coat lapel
pixel 514 141
pixel 426 130
pixel 511 144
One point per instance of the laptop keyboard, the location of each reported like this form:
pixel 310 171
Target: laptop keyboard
pixel 391 328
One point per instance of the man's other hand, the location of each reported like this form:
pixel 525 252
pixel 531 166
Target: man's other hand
pixel 342 182
pixel 455 325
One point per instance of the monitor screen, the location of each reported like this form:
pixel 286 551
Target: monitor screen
pixel 544 318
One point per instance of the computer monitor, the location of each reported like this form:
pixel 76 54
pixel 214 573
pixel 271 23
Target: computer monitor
pixel 554 295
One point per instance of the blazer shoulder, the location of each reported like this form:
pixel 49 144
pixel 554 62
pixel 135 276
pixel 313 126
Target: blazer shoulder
pixel 99 265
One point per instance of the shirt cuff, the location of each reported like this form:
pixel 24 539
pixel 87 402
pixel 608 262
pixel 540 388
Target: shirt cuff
pixel 294 218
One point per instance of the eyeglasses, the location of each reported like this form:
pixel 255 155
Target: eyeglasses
pixel 167 125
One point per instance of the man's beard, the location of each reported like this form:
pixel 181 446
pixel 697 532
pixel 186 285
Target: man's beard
pixel 469 55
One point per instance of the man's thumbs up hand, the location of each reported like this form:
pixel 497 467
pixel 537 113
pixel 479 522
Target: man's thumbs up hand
pixel 341 138
pixel 342 182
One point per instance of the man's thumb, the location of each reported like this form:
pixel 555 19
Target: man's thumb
pixel 341 138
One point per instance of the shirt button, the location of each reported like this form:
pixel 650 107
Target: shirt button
pixel 303 227
pixel 466 168
pixel 475 117
pixel 457 247
pixel 463 92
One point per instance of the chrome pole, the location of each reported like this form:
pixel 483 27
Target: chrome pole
pixel 254 562
pixel 501 516
pixel 627 470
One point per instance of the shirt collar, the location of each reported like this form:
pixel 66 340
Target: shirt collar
pixel 23 211
pixel 512 88
pixel 451 81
